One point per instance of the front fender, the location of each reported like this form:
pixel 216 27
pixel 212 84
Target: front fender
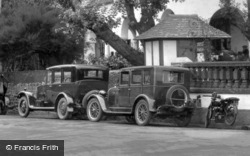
pixel 150 101
pixel 29 95
pixel 101 100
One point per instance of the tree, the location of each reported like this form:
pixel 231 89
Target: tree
pixel 230 6
pixel 93 19
pixel 33 37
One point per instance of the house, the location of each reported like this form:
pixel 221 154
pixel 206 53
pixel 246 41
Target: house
pixel 178 38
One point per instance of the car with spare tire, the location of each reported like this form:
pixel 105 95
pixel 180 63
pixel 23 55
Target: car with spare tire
pixel 145 92
pixel 65 90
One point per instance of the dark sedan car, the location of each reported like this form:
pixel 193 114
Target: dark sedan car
pixel 145 92
pixel 65 90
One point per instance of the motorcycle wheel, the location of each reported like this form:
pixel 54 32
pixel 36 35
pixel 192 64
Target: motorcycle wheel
pixel 208 117
pixel 231 114
pixel 3 110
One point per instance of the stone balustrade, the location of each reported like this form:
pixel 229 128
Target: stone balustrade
pixel 223 77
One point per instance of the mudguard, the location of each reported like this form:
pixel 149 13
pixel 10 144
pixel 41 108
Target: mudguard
pixel 101 100
pixel 148 99
pixel 29 95
pixel 66 96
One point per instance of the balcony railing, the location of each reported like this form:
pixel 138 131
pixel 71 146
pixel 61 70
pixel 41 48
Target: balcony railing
pixel 222 77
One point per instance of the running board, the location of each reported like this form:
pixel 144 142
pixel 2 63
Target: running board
pixel 110 112
pixel 42 108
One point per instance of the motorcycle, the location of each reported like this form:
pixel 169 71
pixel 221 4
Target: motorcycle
pixel 221 110
pixel 4 101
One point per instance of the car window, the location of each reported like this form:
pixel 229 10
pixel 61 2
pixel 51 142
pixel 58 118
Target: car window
pixel 136 77
pixel 147 77
pixel 125 78
pixel 57 77
pixel 172 77
pixel 49 77
pixel 85 74
pixel 67 76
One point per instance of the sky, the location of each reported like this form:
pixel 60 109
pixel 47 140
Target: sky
pixel 204 8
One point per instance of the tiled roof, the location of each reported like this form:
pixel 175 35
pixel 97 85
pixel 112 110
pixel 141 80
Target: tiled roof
pixel 182 26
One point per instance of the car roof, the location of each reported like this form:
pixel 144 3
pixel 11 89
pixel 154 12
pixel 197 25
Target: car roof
pixel 156 67
pixel 78 66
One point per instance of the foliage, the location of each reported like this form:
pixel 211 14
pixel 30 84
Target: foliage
pixel 33 37
pixel 113 62
pixel 92 15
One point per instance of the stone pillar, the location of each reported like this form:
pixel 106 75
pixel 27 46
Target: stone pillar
pixel 229 77
pixel 210 77
pixel 216 77
pixel 222 77
pixel 236 77
pixel 244 77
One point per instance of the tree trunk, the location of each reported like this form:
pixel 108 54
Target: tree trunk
pixel 133 56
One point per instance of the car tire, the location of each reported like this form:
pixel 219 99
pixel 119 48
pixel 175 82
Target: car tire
pixel 23 107
pixel 183 121
pixel 142 113
pixel 2 108
pixel 94 110
pixel 170 94
pixel 62 111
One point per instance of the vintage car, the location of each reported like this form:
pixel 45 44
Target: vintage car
pixel 65 90
pixel 144 92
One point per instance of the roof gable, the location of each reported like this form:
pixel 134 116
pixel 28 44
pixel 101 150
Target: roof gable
pixel 182 26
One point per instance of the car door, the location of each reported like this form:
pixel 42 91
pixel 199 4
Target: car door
pixel 123 89
pixel 54 87
pixel 135 85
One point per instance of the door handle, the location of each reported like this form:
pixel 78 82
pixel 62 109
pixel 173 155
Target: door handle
pixel 129 89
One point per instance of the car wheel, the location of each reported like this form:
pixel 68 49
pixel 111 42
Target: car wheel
pixel 130 119
pixel 23 107
pixel 177 96
pixel 94 110
pixel 183 121
pixel 142 113
pixel 62 111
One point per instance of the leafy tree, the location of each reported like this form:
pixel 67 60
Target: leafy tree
pixel 230 6
pixel 33 37
pixel 89 14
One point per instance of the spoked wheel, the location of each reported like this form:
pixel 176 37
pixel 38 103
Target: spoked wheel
pixel 208 116
pixel 130 119
pixel 94 110
pixel 142 113
pixel 231 114
pixel 183 121
pixel 62 111
pixel 23 107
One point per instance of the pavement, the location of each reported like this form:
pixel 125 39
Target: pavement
pixel 118 138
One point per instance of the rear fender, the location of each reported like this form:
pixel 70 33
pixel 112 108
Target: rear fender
pixel 68 98
pixel 150 101
pixel 29 95
pixel 101 100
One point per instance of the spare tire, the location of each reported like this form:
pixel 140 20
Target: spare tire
pixel 177 96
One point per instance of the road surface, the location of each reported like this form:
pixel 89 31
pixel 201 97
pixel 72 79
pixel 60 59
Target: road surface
pixel 118 138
